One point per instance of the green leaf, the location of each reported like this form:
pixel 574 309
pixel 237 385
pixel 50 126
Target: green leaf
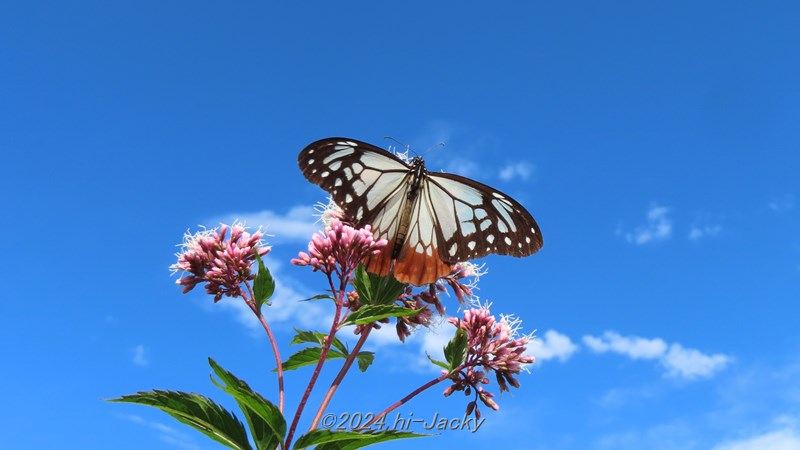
pixel 309 356
pixel 369 314
pixel 315 337
pixel 441 364
pixel 263 285
pixel 365 359
pixel 267 424
pixel 318 297
pixel 456 350
pixel 349 440
pixel 197 411
pixel 376 290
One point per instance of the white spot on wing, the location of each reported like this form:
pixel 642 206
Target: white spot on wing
pixel 336 165
pixel 471 245
pixel 490 238
pixel 507 240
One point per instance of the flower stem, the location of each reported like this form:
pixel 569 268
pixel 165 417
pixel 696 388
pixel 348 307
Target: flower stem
pixel 318 369
pixel 251 303
pixel 404 400
pixel 339 377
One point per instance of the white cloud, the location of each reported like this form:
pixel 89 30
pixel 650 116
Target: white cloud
pixel 554 345
pixel 679 362
pixel 632 347
pixel 521 170
pixel 140 356
pixel 297 225
pixel 657 228
pixel 698 232
pixel 286 304
pixel 690 363
pixel 781 203
pixel 787 438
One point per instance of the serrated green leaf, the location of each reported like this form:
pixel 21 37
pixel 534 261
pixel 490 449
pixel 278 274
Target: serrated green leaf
pixel 315 337
pixel 309 356
pixel 267 424
pixel 197 411
pixel 365 360
pixel 456 350
pixel 369 314
pixel 263 285
pixel 376 290
pixel 441 364
pixel 349 440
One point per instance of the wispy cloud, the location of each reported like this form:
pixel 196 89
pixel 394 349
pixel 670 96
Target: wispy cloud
pixel 657 228
pixel 678 361
pixel 296 225
pixel 699 232
pixel 781 203
pixel 554 346
pixel 140 356
pixel 165 433
pixel 286 304
pixel 521 170
pixel 632 347
pixel 786 437
pixel 463 167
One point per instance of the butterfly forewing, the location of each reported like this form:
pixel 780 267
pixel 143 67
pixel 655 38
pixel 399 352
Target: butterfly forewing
pixel 360 177
pixel 476 220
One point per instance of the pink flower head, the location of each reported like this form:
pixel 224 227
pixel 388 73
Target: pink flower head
pixel 224 264
pixel 493 346
pixel 464 291
pixel 339 248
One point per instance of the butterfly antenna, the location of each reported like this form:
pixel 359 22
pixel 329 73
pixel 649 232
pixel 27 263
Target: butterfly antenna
pixel 440 144
pixel 405 146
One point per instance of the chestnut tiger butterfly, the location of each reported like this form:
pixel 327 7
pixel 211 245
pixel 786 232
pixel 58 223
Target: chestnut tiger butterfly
pixel 431 220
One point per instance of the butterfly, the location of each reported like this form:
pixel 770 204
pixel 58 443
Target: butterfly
pixel 431 220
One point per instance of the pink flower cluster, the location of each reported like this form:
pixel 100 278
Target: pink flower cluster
pixel 339 249
pixel 493 346
pixel 224 264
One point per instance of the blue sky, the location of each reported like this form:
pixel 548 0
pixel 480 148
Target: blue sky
pixel 656 144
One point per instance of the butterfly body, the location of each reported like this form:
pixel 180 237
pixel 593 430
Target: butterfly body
pixel 431 220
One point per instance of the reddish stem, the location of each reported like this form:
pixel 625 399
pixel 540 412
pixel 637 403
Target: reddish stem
pixel 318 369
pixel 405 400
pixel 338 380
pixel 251 303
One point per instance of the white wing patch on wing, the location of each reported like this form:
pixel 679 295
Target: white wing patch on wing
pixel 422 232
pixel 465 193
pixel 388 217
